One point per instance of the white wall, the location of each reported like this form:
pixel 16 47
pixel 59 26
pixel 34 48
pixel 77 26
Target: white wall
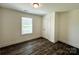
pixel 63 26
pixel 46 20
pixel 74 28
pixel 11 27
pixel 69 27
pixel 0 26
pixel 57 23
pixel 49 26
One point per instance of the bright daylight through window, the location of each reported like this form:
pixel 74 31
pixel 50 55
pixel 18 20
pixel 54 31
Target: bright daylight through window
pixel 26 25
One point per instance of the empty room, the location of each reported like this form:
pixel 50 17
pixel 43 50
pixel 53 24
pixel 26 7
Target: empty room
pixel 39 28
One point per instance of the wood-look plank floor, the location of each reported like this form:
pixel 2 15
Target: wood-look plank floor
pixel 39 47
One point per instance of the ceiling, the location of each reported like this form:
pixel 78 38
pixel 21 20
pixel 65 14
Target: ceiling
pixel 43 9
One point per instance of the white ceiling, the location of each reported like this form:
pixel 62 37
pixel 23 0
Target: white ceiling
pixel 43 9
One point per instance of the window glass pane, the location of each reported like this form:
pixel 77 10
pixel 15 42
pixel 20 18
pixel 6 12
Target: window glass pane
pixel 26 25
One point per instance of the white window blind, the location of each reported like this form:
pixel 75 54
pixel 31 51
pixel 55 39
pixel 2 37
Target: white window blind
pixel 26 25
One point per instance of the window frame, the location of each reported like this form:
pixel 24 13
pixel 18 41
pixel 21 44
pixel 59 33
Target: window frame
pixel 21 26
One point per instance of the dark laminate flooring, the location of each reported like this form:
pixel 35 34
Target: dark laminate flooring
pixel 39 47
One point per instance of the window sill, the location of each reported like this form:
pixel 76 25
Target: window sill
pixel 26 34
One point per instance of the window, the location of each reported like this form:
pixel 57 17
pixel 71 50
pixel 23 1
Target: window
pixel 26 25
